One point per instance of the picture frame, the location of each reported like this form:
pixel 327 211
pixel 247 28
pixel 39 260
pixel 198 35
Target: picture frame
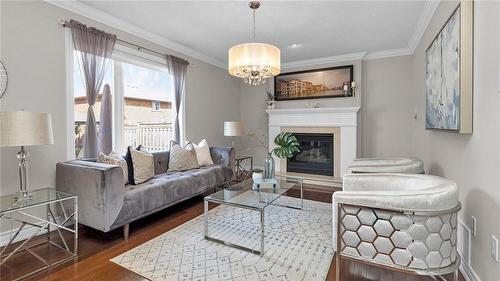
pixel 449 74
pixel 314 83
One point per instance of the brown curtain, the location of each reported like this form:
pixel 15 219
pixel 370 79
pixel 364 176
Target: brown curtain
pixel 94 52
pixel 177 68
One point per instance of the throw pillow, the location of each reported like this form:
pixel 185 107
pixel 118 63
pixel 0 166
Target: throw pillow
pixel 130 166
pixel 114 159
pixel 143 164
pixel 203 153
pixel 182 158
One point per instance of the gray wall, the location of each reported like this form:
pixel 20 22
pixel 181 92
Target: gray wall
pixel 33 50
pixel 470 160
pixel 387 108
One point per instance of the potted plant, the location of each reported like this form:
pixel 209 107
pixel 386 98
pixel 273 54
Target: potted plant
pixel 287 146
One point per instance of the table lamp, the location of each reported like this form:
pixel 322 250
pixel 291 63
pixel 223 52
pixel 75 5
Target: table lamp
pixel 24 128
pixel 233 129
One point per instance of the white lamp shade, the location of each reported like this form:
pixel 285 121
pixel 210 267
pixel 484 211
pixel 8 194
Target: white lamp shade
pixel 233 129
pixel 254 56
pixel 24 128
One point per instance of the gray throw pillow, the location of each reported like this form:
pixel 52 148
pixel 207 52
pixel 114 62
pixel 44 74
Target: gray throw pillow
pixel 182 158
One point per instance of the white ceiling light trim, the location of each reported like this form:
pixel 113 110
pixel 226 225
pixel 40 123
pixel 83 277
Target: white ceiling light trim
pixel 107 19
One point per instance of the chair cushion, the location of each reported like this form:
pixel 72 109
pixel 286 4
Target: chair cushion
pixel 398 192
pixel 387 165
pixel 166 189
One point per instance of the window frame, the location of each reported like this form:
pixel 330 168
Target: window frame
pixel 121 54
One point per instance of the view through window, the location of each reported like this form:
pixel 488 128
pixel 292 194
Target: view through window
pixel 146 112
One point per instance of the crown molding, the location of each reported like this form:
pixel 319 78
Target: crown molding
pixel 107 19
pixel 323 60
pixel 82 9
pixel 388 53
pixel 423 21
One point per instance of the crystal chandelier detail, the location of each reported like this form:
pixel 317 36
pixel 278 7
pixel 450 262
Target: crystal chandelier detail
pixel 254 62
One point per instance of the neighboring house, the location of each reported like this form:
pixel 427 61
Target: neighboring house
pixel 136 111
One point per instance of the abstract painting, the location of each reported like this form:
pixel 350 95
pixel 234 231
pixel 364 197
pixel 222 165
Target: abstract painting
pixel 310 84
pixel 443 78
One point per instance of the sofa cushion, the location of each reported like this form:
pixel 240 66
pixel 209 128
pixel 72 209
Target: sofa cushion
pixel 161 161
pixel 167 189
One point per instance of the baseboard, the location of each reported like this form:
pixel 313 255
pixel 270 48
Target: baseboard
pixel 468 272
pixel 25 233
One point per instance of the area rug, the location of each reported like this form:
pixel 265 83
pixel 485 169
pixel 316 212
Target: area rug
pixel 297 246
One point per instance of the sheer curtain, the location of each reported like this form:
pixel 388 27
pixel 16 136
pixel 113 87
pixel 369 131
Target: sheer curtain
pixel 94 48
pixel 177 68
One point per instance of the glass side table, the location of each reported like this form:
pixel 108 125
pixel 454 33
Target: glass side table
pixel 47 211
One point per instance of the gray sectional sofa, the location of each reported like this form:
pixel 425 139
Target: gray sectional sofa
pixel 106 203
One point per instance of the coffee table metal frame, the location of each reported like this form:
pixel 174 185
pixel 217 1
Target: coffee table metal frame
pixel 261 211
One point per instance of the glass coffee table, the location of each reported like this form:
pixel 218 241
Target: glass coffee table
pixel 243 195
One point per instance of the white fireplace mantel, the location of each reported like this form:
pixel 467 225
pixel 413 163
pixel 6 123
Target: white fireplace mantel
pixel 344 118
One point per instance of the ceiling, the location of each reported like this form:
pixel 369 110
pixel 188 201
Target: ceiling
pixel 317 28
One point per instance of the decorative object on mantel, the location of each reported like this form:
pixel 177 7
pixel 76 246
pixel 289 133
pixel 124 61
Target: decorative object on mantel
pixel 24 128
pixel 271 102
pixel 449 73
pixel 233 129
pixel 254 62
pixel 286 146
pixel 4 79
pixel 349 89
pixel 315 83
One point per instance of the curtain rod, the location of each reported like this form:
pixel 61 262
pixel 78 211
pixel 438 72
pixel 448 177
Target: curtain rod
pixel 65 24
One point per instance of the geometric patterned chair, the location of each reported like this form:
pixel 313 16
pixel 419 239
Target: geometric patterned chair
pixel 387 165
pixel 406 222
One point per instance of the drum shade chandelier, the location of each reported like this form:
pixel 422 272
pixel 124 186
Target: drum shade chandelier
pixel 254 62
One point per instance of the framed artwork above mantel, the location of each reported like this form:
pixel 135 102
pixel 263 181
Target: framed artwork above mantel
pixel 449 73
pixel 332 82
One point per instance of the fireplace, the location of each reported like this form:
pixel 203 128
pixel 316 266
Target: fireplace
pixel 315 156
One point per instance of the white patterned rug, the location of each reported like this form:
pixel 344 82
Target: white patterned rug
pixel 297 246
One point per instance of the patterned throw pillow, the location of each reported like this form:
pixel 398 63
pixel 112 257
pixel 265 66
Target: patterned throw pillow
pixel 143 164
pixel 182 158
pixel 114 159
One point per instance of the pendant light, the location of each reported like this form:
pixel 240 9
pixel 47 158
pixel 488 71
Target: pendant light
pixel 254 62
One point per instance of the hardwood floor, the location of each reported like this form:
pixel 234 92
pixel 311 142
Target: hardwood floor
pixel 97 248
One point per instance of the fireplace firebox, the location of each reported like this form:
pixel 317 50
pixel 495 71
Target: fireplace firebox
pixel 315 156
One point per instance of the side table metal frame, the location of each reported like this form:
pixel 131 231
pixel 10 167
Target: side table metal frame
pixel 45 224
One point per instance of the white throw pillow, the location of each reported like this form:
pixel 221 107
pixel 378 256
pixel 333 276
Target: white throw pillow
pixel 143 163
pixel 114 159
pixel 203 153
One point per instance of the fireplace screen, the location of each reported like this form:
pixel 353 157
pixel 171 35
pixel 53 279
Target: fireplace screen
pixel 315 156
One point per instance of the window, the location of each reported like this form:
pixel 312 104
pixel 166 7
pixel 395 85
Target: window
pixel 142 104
pixel 156 106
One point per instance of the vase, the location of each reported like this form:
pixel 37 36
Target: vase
pixel 269 167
